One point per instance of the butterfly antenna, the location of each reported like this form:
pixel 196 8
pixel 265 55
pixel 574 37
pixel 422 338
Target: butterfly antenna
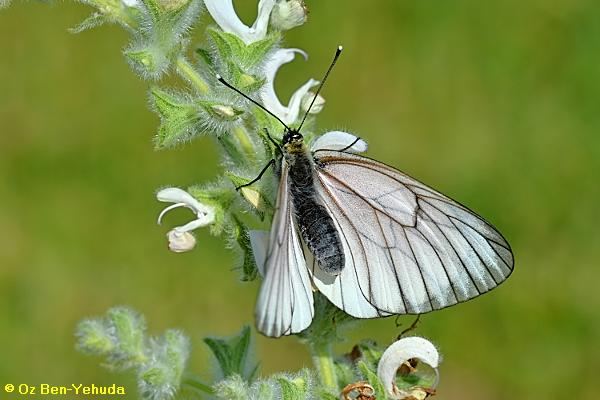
pixel 244 95
pixel 335 58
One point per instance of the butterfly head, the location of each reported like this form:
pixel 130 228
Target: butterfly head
pixel 293 141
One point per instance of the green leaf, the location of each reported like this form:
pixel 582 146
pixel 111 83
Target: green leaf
pixel 93 21
pixel 227 45
pixel 191 381
pixel 94 338
pixel 233 388
pixel 295 387
pixel 371 376
pixel 290 391
pixel 325 395
pixel 179 118
pixel 344 372
pixel 265 391
pixel 147 60
pixel 265 122
pixel 242 238
pixel 205 56
pixel 161 35
pixel 257 51
pixel 120 336
pixel 154 7
pixel 129 331
pixel 231 354
pixel 369 352
pixel 230 46
pixel 160 378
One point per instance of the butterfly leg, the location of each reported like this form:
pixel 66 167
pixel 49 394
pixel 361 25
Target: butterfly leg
pixel 277 145
pixel 271 163
pixel 412 326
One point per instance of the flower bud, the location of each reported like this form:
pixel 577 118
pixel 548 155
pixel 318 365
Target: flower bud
pixel 317 107
pixel 171 5
pixel 288 14
pixel 150 61
pixel 246 80
pixel 223 111
pixel 253 196
pixel 180 242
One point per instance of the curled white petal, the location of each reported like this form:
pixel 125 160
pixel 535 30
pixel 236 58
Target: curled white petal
pixel 398 354
pixel 175 195
pixel 289 113
pixel 167 209
pixel 338 140
pixel 182 199
pixel 180 242
pixel 259 241
pixel 203 220
pixel 225 16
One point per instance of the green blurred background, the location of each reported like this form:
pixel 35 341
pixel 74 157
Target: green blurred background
pixel 494 103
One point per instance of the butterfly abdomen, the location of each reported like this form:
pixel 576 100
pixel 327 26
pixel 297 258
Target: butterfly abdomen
pixel 315 223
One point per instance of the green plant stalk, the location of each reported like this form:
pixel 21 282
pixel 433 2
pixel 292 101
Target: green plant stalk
pixel 126 18
pixel 323 361
pixel 185 69
pixel 245 142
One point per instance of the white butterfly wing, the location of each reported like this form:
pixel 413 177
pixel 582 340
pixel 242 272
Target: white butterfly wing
pixel 285 301
pixel 409 249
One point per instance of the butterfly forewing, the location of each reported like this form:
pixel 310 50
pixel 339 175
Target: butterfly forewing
pixel 409 248
pixel 285 301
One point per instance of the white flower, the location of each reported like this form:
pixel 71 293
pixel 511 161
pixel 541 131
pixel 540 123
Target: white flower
pixel 224 15
pixel 399 354
pixel 131 3
pixel 289 14
pixel 289 113
pixel 180 238
pixel 317 106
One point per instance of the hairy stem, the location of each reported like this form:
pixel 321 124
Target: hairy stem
pixel 323 361
pixel 193 382
pixel 185 69
pixel 126 18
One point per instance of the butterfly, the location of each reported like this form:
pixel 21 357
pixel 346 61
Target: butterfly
pixel 407 248
pixel 373 240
